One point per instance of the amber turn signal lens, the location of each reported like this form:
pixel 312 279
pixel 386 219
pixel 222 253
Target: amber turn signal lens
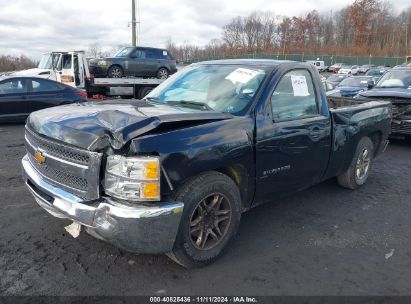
pixel 151 190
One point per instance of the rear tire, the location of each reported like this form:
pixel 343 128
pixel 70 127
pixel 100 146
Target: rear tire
pixel 210 219
pixel 163 73
pixel 357 173
pixel 115 71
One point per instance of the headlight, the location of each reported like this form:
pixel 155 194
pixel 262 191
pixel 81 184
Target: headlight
pixel 102 62
pixel 133 178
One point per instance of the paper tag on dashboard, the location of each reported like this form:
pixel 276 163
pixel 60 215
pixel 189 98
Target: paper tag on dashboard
pixel 241 75
pixel 299 84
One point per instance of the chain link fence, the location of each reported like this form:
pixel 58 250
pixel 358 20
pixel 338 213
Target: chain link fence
pixel 328 59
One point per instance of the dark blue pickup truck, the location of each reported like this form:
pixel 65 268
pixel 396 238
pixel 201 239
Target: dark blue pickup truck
pixel 172 173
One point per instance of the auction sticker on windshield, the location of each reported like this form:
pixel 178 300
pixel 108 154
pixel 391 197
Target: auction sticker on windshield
pixel 299 84
pixel 242 75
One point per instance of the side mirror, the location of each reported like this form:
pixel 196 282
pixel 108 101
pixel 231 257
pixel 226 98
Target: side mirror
pixel 247 91
pixel 132 55
pixel 370 84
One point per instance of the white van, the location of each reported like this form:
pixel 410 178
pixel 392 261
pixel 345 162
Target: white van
pixel 319 64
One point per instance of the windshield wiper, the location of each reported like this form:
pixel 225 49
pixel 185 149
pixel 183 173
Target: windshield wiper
pixel 190 104
pixel 153 99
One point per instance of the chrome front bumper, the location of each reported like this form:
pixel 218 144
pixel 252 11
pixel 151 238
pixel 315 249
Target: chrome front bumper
pixel 142 229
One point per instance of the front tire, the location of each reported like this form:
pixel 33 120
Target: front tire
pixel 115 71
pixel 210 219
pixel 357 173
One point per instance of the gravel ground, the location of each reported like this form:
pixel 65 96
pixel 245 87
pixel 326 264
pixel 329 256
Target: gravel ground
pixel 323 241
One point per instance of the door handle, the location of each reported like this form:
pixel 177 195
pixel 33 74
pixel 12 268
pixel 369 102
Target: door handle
pixel 315 132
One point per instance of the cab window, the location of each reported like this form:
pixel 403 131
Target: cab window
pixel 39 85
pixel 66 61
pixel 13 86
pixel 294 97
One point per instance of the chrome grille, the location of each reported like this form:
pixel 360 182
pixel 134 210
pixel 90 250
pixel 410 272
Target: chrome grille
pixel 60 177
pixel 72 169
pixel 56 149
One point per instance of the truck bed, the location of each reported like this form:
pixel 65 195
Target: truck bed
pixel 353 119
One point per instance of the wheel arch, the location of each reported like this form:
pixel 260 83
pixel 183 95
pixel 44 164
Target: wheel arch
pixel 239 175
pixel 376 140
pixel 163 67
pixel 236 173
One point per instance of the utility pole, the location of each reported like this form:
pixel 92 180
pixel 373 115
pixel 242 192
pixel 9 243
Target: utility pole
pixel 133 23
pixel 406 38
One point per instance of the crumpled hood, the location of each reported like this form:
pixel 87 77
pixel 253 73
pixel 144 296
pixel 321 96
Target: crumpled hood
pixel 96 125
pixel 387 92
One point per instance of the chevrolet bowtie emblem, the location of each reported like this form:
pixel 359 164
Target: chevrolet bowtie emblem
pixel 40 158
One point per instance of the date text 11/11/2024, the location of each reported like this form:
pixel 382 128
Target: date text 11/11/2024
pixel 204 299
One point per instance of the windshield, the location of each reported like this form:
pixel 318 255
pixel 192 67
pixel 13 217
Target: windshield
pixel 218 87
pixel 375 73
pixel 396 79
pixel 124 52
pixel 346 67
pixel 355 82
pixel 49 61
pixel 336 78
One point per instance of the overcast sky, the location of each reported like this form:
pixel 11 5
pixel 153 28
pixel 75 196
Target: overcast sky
pixel 32 27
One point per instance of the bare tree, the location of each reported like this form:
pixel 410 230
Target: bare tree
pixel 94 50
pixel 11 63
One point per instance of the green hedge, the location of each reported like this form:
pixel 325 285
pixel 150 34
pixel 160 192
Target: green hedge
pixel 328 59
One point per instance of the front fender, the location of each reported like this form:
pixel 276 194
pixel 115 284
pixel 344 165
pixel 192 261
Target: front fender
pixel 225 146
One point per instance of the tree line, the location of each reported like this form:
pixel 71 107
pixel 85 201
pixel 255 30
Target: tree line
pixel 12 63
pixel 364 28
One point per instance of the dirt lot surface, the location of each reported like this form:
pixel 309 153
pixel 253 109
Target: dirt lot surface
pixel 323 241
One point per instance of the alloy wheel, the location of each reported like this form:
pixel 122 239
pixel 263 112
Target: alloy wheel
pixel 162 74
pixel 210 221
pixel 363 165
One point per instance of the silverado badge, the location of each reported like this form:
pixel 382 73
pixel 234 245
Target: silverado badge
pixel 40 158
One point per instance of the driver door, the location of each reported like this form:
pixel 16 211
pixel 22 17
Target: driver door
pixel 293 142
pixel 67 74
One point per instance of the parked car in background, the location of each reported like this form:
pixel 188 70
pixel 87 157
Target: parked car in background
pixel 319 65
pixel 348 69
pixel 395 86
pixel 135 61
pixel 19 96
pixel 335 67
pixel 334 80
pixel 376 73
pixel 365 68
pixel 351 86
